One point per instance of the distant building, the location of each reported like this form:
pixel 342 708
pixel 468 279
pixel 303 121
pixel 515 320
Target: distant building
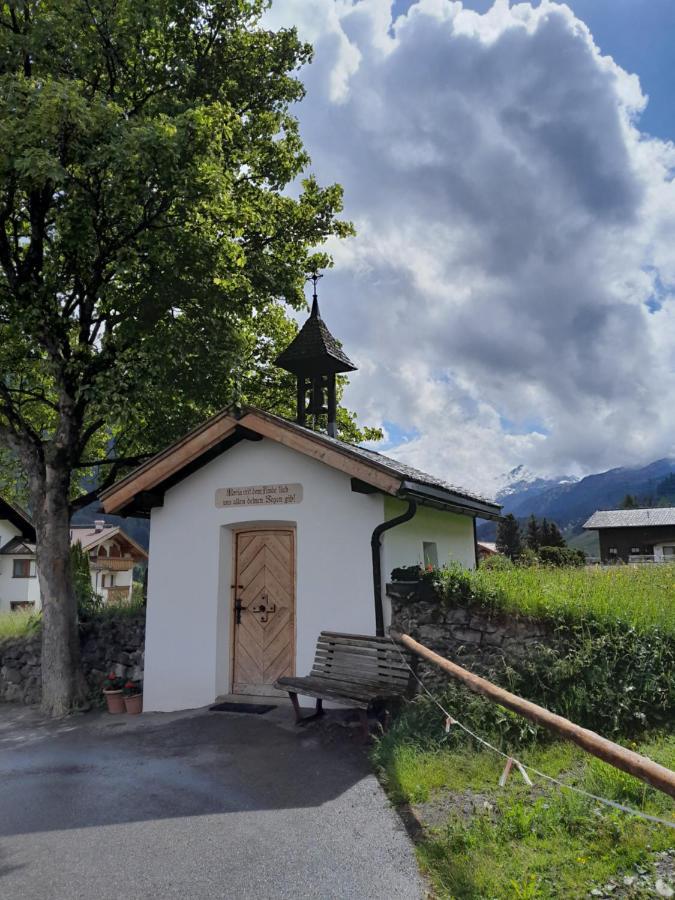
pixel 112 557
pixel 486 549
pixel 635 535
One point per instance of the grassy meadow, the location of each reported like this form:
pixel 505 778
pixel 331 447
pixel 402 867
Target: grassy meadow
pixel 640 596
pixel 481 841
pixel 478 841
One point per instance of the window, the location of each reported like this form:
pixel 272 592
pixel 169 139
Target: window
pixel 430 554
pixel 107 580
pixel 669 551
pixel 613 551
pixel 634 549
pixel 23 568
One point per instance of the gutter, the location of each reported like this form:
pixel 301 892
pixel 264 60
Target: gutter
pixel 376 546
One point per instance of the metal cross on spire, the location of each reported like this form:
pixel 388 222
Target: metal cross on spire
pixel 314 278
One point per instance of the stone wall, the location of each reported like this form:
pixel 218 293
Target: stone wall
pixel 469 635
pixel 106 645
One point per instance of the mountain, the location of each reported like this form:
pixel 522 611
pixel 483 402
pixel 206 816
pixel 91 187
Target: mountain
pixel 569 502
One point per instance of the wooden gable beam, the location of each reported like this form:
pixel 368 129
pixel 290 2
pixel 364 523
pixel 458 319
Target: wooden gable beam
pixel 167 463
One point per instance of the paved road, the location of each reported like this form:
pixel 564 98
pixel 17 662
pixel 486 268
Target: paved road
pixel 192 805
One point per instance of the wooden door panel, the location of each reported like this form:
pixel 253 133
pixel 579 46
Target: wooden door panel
pixel 264 641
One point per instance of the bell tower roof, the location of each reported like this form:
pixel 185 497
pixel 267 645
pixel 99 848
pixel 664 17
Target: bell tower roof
pixel 314 350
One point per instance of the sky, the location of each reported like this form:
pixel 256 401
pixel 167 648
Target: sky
pixel 510 295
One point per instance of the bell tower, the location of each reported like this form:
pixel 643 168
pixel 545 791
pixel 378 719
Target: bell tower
pixel 315 358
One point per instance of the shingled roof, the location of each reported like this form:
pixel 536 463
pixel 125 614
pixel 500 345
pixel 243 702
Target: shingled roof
pixel 314 350
pixel 230 426
pixel 631 518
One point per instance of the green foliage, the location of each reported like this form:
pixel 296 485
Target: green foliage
pixel 561 556
pixel 547 842
pixel 533 536
pixel 148 243
pixel 629 502
pixel 19 623
pixel 601 671
pixel 640 597
pixel 509 539
pixel 88 601
pixel 406 573
pixel 497 563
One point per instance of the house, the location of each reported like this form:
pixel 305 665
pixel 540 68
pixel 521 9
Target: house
pixel 265 531
pixel 19 586
pixel 635 535
pixel 112 557
pixel 486 549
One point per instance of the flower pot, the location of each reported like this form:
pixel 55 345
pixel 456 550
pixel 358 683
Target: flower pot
pixel 134 704
pixel 115 701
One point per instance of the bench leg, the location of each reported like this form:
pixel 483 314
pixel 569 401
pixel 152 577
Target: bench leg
pixel 299 718
pixel 363 717
pixel 296 707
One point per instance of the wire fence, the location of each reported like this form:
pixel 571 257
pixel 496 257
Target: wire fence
pixel 452 720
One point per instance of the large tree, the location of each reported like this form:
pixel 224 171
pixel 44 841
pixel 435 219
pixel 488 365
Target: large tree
pixel 146 242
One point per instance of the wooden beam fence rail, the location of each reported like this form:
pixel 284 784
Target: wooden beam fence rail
pixel 635 764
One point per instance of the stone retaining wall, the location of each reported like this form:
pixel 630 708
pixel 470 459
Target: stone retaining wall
pixel 106 645
pixel 469 635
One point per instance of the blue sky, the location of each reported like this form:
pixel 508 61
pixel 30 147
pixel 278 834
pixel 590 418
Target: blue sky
pixel 640 36
pixel 509 296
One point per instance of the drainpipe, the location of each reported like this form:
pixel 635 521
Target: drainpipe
pixel 377 561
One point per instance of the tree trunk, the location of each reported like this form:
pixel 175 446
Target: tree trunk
pixel 63 686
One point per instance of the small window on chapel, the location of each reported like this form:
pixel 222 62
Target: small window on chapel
pixel 613 551
pixel 430 554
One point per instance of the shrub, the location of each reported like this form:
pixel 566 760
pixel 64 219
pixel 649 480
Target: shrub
pixel 406 573
pixel 497 563
pixel 88 601
pixel 561 556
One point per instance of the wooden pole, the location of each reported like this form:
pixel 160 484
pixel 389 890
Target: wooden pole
pixel 641 767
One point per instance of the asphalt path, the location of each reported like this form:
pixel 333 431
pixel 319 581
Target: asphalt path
pixel 193 805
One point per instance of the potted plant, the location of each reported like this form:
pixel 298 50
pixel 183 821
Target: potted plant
pixel 133 697
pixel 112 691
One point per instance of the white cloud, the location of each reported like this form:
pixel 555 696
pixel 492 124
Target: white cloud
pixel 512 225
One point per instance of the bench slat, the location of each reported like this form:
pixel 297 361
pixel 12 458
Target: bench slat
pixel 356 640
pixel 348 690
pixel 356 672
pixel 391 659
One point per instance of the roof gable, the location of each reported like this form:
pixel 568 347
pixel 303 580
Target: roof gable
pixel 89 538
pixel 229 427
pixel 13 513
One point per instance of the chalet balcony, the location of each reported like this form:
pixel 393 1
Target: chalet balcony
pixel 111 564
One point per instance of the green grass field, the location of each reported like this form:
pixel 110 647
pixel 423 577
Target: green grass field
pixel 482 841
pixel 640 596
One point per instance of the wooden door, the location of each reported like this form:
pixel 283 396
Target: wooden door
pixel 264 610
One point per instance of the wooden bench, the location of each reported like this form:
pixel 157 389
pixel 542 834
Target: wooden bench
pixel 353 670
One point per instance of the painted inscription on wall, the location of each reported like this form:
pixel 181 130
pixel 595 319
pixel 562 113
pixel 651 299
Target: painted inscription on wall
pixel 259 495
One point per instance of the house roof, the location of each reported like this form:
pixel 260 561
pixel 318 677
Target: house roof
pixel 631 518
pixel 90 536
pixel 18 546
pixel 314 350
pixel 86 535
pixel 13 513
pixel 370 470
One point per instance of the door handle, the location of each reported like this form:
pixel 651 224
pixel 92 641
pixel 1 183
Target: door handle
pixel 238 606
